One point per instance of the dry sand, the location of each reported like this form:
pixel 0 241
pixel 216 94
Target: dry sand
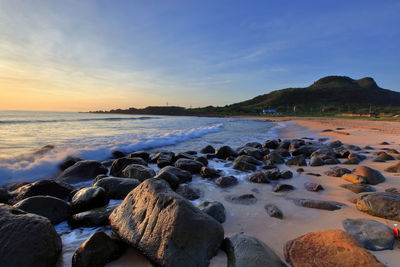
pixel 253 219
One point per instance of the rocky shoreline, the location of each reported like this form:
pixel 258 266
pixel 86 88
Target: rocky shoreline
pixel 162 217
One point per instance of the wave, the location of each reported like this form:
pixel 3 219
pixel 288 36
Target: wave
pixel 74 120
pixel 34 166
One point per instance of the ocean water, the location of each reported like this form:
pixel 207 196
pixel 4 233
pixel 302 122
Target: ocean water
pixel 32 144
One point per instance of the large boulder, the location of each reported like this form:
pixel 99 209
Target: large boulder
pixel 139 172
pixel 353 178
pixel 225 152
pixel 244 250
pixel 89 198
pixel 92 218
pixel 120 164
pixel 54 209
pixel 380 204
pixel 189 165
pixel 370 175
pixel 371 234
pixel 97 250
pixel 215 209
pixel 27 239
pixel 117 188
pixel 82 171
pixel 328 248
pixel 167 228
pixel 184 176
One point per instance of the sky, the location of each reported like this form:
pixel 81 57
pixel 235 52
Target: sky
pixel 99 55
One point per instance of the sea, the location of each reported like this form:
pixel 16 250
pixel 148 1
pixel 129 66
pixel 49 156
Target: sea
pixel 34 143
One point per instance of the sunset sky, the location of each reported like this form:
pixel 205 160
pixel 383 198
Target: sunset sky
pixel 91 55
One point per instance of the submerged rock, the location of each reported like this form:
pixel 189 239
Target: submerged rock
pixel 358 188
pixel 226 181
pixel 328 248
pixel 313 187
pixel 246 199
pixel 259 177
pixel 167 228
pixel 317 204
pixel 273 211
pixel 208 172
pixel 283 188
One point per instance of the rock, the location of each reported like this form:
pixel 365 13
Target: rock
pixel 273 174
pixel 357 156
pixel 170 178
pixel 313 174
pixel 352 161
pixel 384 143
pixel 299 170
pixel 313 187
pixel 164 158
pixel 282 152
pixel 315 161
pixel 226 181
pixel 244 166
pixel 43 188
pixel 394 168
pixel 255 145
pixel 68 162
pixel 89 198
pixel 215 209
pixel 271 144
pixel 208 172
pixel 393 190
pixel 82 171
pixel 203 160
pixel 4 195
pixel 283 188
pixel 324 152
pixel 189 165
pixel 97 250
pixel 246 199
pixel 118 154
pixel 225 152
pixel 273 211
pixel 139 172
pixel 371 234
pixel 298 160
pixel 328 248
pixel 335 144
pixel 370 175
pixel 284 144
pixel 286 175
pixel 167 228
pixel 188 192
pixel 353 178
pixel 331 161
pixel 140 154
pixel 274 158
pixel 259 177
pixel 184 176
pixel 208 150
pixel 251 152
pixel 14 185
pixel 358 188
pixel 381 204
pixel 248 159
pixel 182 155
pixel 353 147
pixel 120 164
pixel 317 204
pixel 27 239
pixel 92 218
pixel 99 177
pixel 368 147
pixel 244 250
pixel 117 188
pixel 54 209
pixel 385 156
pixel 337 172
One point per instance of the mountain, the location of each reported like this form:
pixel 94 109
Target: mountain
pixel 331 93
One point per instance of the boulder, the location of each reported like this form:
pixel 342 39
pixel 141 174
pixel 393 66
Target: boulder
pixel 167 228
pixel 203 160
pixel 4 195
pixel 140 154
pixel 394 168
pixel 358 188
pixel 89 198
pixel 353 178
pixel 120 164
pixel 188 192
pixel 208 150
pixel 226 181
pixel 337 172
pixel 164 158
pixel 259 177
pixel 271 144
pixel 189 165
pixel 68 162
pixel 97 250
pixel 208 172
pixel 27 239
pixel 251 152
pixel 283 188
pixel 99 177
pixel 352 161
pixel 286 175
pixel 273 211
pixel 298 160
pixel 184 176
pixel 328 248
pixel 274 158
pixel 46 187
pixel 116 154
pixel 282 152
pixel 316 161
pixel 244 166
pixel 393 190
pixel 54 209
pixel 370 175
pixel 170 178
pixel 381 204
pixel 215 209
pixel 313 187
pixel 246 199
pixel 335 144
pixel 371 234
pixel 225 152
pixel 317 204
pixel 248 159
pixel 92 218
pixel 183 155
pixel 82 171
pixel 117 188
pixel 244 250
pixel 139 172
pixel 385 156
pixel 254 144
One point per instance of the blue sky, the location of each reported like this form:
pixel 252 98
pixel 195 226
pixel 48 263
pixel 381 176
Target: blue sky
pixel 83 55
